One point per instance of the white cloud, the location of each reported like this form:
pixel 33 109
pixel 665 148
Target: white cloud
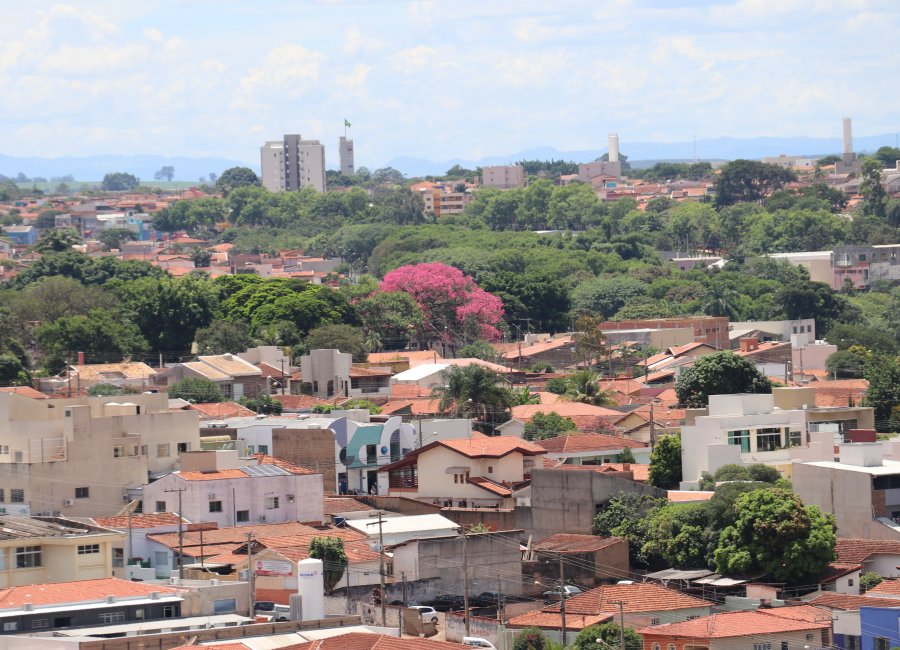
pixel 414 59
pixel 287 68
pixel 357 42
pixel 355 80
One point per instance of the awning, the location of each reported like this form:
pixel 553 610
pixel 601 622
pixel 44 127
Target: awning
pixel 456 470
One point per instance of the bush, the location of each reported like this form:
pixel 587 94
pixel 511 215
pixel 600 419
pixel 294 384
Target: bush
pixel 103 390
pixel 196 390
pixel 531 638
pixel 868 580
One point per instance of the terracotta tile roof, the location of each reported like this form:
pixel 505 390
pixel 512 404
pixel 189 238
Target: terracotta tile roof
pixel 218 646
pixel 415 406
pixel 359 371
pixel 365 641
pixel 855 551
pixel 297 548
pixel 24 391
pixel 220 475
pixel 639 473
pixel 835 570
pixel 128 369
pixel 809 613
pixel 206 370
pixel 238 534
pixel 566 409
pixel 221 410
pixel 423 356
pixel 688 496
pixel 490 447
pixel 464 363
pixel 278 596
pixel 891 587
pixel 538 348
pixel 490 486
pixel 337 505
pixel 733 624
pixel 572 543
pixel 553 620
pixel 75 592
pixel 297 402
pixel 399 391
pixel 231 364
pixel 587 442
pixel 140 520
pixel 850 602
pixel 638 597
pixel 283 464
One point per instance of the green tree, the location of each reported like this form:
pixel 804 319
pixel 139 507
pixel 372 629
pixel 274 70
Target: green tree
pixel 846 364
pixel 104 390
pixel 775 533
pixel 721 373
pixel 13 372
pixel 814 300
pixel 749 180
pixel 678 535
pixel 523 395
pixel 665 462
pixel 345 338
pixel 605 296
pixel 201 258
pixel 626 456
pixel 222 336
pixel 868 580
pixel 53 297
pixel 531 638
pixel 720 301
pixel 872 188
pixel 235 177
pixel 610 635
pixel 584 387
pixel 114 237
pixel 627 515
pixel 119 181
pixel 590 341
pixel 394 315
pixel 166 173
pixel 331 551
pixel 102 336
pixel 722 510
pixel 475 391
pixel 57 240
pixel 197 390
pixel 557 385
pixel 882 371
pixel 478 350
pixel 548 425
pixel 263 404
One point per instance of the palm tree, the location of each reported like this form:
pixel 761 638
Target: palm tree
pixel 57 240
pixel 584 387
pixel 525 396
pixel 719 301
pixel 373 341
pixel 474 391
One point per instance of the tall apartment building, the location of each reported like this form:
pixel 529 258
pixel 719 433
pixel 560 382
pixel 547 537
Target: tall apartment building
pixel 503 176
pixel 345 148
pixel 292 164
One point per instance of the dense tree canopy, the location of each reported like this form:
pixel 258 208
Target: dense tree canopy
pixel 720 373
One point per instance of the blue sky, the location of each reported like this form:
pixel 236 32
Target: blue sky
pixel 437 79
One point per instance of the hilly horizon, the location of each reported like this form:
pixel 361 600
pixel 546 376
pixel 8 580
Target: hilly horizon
pixel 144 166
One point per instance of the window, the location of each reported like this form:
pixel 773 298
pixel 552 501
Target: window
pixel 40 623
pixel 143 450
pixel 17 496
pixel 655 621
pixel 850 582
pixel 768 439
pixel 671 646
pixel 11 626
pixel 118 557
pixel 28 557
pixel 225 606
pixel 762 646
pixel 82 493
pixel 271 503
pixel 881 643
pixel 741 438
pixel 289 497
pixel 118 451
pixel 139 614
pixel 852 642
pixel 796 438
pixel 490 469
pixel 105 618
pixel 2 495
pixel 183 447
pixel 162 451
pixel 784 645
pixel 215 506
pixel 170 611
pixel 88 549
pixel 655 645
pixel 264 449
pixel 243 515
pixel 160 506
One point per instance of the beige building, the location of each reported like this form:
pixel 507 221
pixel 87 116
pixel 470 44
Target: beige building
pixel 292 163
pixel 38 551
pixel 86 456
pixel 468 472
pixel 503 176
pixel 345 149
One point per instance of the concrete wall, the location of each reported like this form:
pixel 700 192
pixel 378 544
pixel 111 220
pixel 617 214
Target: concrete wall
pixel 566 502
pixel 486 628
pixel 310 448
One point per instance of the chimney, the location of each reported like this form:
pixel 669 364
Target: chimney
pixel 81 358
pixel 626 467
pixel 613 147
pixel 848 136
pixel 749 343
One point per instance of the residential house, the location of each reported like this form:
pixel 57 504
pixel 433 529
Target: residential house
pixel 397 530
pixel 593 449
pixel 85 603
pixel 21 235
pixel 643 604
pixel 330 373
pixel 235 377
pixel 134 375
pixel 799 332
pixel 675 355
pixel 763 629
pixel 52 549
pixel 220 487
pixel 776 429
pixel 134 546
pixel 469 472
pixel 81 456
pixel 367 641
pixel 711 330
pixel 589 559
pixel 879 626
pixel 587 417
pixel 845 613
pixel 557 352
pixel 881 556
pixel 860 491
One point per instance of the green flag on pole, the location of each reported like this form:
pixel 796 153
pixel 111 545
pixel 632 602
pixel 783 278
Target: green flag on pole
pixel 346 123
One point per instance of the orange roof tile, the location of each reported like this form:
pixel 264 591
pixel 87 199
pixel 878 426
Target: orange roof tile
pixel 24 391
pixel 140 520
pixel 77 591
pixel 490 486
pixel 688 496
pixel 297 402
pixel 587 442
pixel 855 551
pixel 220 475
pixel 365 641
pixel 638 597
pixel 490 447
pixel 222 410
pixel 553 620
pixel 337 505
pixel 573 543
pixel 850 602
pixel 733 624
pixel 238 534
pixel 566 409
pixel 886 587
pixel 639 473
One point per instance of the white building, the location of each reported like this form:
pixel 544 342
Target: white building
pixel 220 487
pixel 345 148
pixel 292 164
pixel 397 530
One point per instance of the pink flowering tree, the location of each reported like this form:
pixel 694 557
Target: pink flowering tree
pixel 454 307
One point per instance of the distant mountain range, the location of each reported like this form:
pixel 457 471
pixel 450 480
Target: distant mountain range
pixel 640 154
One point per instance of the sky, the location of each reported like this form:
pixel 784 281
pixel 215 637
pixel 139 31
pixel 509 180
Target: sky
pixel 437 79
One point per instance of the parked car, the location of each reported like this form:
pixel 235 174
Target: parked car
pixel 447 603
pixel 478 642
pixel 487 599
pixel 428 613
pixel 555 594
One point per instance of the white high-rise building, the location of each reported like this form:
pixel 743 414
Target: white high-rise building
pixel 292 164
pixel 346 152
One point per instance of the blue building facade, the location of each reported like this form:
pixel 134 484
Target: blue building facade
pixel 879 627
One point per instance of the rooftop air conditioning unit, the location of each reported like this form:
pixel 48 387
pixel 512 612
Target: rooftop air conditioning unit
pixel 68 502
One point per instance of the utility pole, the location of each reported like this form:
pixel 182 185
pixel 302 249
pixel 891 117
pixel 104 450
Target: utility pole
pixel 465 540
pixel 621 605
pixel 180 534
pixel 562 598
pixel 652 426
pixel 250 575
pixel 282 375
pixel 381 566
pixel 402 577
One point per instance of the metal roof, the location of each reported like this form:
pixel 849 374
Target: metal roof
pixel 264 470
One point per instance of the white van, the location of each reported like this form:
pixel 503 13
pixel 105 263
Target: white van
pixel 478 642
